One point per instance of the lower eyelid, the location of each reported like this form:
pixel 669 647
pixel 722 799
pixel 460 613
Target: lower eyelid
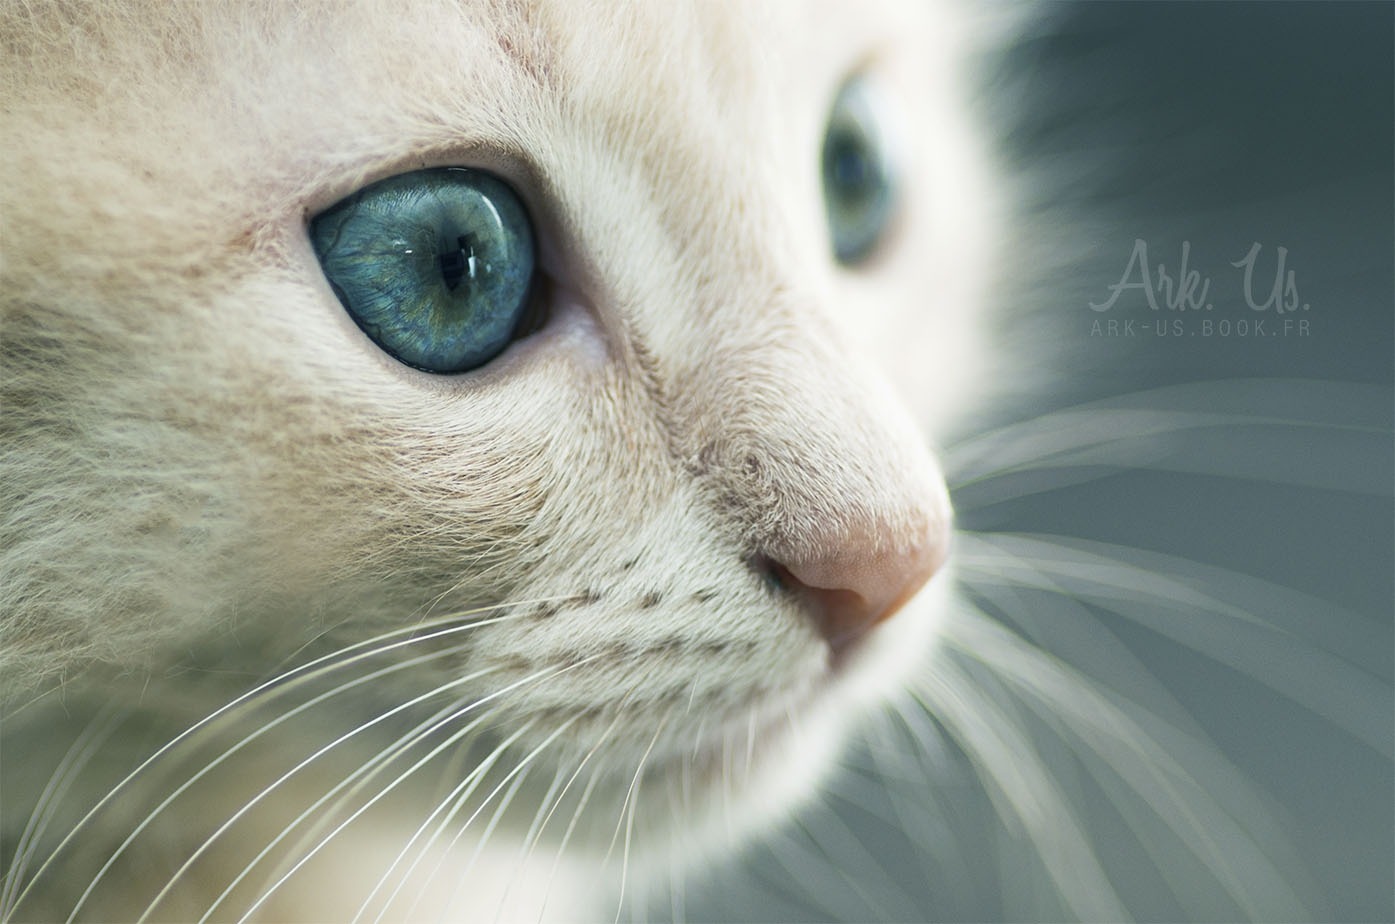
pixel 569 334
pixel 571 337
pixel 572 327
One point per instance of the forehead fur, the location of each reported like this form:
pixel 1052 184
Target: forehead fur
pixel 256 106
pixel 279 96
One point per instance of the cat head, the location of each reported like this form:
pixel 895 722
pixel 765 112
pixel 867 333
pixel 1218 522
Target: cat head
pixel 690 504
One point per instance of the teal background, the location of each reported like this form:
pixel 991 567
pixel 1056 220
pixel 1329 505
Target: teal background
pixel 1219 124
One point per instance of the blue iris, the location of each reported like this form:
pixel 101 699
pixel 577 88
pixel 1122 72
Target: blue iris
pixel 858 187
pixel 436 266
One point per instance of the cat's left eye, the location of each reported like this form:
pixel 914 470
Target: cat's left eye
pixel 859 184
pixel 436 266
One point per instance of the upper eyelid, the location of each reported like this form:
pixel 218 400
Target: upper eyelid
pixel 510 164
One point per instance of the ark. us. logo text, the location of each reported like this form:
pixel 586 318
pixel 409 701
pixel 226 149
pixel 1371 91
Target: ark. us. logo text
pixel 1258 298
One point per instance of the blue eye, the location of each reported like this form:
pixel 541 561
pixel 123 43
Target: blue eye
pixel 435 266
pixel 858 186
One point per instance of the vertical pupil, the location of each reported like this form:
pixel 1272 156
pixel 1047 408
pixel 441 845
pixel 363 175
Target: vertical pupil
pixel 850 167
pixel 459 263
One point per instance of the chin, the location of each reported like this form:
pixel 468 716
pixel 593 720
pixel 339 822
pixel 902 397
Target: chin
pixel 748 777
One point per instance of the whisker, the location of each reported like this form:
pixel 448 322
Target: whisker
pixel 1225 833
pixel 824 885
pixel 513 780
pixel 677 897
pixel 924 821
pixel 228 753
pixel 449 742
pixel 627 811
pixel 306 856
pixel 555 790
pixel 525 767
pixel 585 798
pixel 582 802
pixel 1170 429
pixel 301 675
pixel 74 760
pixel 1022 789
pixel 357 782
pixel 869 880
pixel 455 799
pixel 363 774
pixel 509 611
pixel 1281 651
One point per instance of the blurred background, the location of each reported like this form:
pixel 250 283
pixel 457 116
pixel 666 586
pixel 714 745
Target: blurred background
pixel 1252 465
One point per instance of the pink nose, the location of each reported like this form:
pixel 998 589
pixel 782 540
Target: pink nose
pixel 850 593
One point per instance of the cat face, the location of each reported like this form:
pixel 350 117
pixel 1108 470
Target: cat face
pixel 691 514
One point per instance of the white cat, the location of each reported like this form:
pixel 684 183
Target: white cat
pixel 577 475
pixel 469 461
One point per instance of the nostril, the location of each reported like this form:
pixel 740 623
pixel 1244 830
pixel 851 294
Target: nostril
pixel 841 616
pixel 776 576
pixel 847 596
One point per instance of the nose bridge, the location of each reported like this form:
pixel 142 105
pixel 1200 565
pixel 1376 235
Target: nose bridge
pixel 808 453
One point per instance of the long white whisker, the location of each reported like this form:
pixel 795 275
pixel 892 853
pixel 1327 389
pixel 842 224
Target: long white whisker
pixel 303 674
pixel 455 800
pixel 522 770
pixel 1348 697
pixel 1022 789
pixel 77 757
pixel 306 856
pixel 1209 827
pixel 452 740
pixel 451 714
pixel 924 820
pixel 677 896
pixel 210 766
pixel 836 839
pixel 459 795
pixel 546 803
pixel 627 812
pixel 826 894
pixel 1171 428
pixel 580 809
pixel 353 785
pixel 582 802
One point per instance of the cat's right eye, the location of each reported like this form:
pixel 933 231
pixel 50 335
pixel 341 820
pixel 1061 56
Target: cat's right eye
pixel 436 266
